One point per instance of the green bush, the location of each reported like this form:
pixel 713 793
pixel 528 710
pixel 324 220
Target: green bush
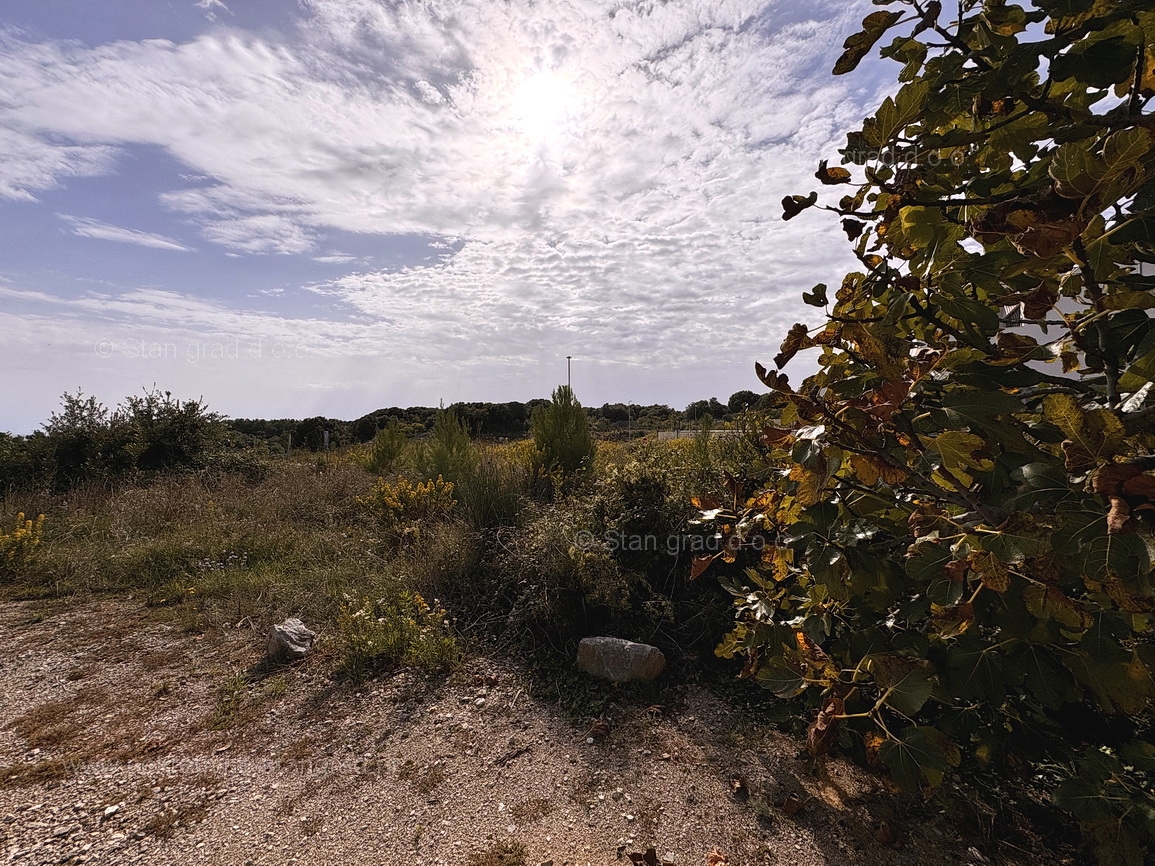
pixel 562 436
pixel 606 560
pixel 953 561
pixel 84 440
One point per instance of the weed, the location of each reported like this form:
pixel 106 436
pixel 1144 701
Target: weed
pixel 19 548
pixel 165 823
pixel 276 687
pixel 424 781
pixel 232 708
pixel 495 491
pixel 384 633
pixel 531 810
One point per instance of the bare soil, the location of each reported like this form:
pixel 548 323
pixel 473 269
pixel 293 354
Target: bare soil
pixel 126 739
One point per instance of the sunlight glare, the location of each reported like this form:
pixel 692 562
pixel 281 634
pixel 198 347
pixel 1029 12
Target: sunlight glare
pixel 540 105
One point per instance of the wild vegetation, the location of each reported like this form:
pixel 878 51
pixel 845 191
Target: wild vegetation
pixel 951 563
pixel 938 547
pixel 384 545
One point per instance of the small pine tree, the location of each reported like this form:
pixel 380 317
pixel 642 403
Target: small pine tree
pixel 561 434
pixel 449 452
pixel 387 448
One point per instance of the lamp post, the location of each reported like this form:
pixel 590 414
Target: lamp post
pixel 568 372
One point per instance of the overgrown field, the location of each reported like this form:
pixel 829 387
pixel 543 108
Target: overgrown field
pixel 398 550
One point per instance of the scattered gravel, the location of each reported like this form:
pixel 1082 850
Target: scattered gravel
pixel 129 740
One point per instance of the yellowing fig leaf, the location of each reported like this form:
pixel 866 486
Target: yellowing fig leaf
pixel 992 571
pixel 796 340
pixel 857 46
pixel 830 176
pixel 792 205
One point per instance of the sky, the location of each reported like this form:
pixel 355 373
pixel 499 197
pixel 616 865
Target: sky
pixel 325 207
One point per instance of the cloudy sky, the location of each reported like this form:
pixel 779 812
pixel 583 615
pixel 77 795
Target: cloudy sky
pixel 329 206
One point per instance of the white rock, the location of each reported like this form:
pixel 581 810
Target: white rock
pixel 619 660
pixel 290 640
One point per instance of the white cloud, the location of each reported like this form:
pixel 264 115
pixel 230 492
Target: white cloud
pixel 624 199
pixel 209 6
pixel 32 164
pixel 90 228
pixel 262 233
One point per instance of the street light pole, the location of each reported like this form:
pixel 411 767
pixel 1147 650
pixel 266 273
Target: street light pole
pixel 568 373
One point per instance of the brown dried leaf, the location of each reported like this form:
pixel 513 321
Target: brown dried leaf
pixel 739 788
pixel 1119 520
pixel 887 835
pixel 823 731
pixel 772 437
pixel 773 381
pixel 1109 479
pixel 831 176
pixel 716 858
pixel 1140 485
pixel 599 729
pixel 699 564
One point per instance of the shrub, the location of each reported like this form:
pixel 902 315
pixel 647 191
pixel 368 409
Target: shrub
pixel 401 502
pixel 84 440
pixel 19 548
pixel 382 634
pixel 561 435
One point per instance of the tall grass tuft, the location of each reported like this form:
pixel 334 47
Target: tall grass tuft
pixel 495 491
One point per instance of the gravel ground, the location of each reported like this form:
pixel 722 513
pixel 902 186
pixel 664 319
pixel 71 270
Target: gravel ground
pixel 129 740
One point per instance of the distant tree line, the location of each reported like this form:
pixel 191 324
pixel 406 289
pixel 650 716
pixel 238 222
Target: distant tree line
pixel 482 420
pixel 158 433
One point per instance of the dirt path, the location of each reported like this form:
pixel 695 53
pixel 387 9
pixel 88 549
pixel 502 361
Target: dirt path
pixel 129 740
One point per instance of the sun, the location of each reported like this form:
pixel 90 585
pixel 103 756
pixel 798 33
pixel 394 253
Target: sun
pixel 540 105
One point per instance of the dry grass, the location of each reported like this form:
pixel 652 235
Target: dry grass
pixel 500 854
pixel 44 772
pixel 60 723
pixel 166 822
pixel 531 810
pixel 423 780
